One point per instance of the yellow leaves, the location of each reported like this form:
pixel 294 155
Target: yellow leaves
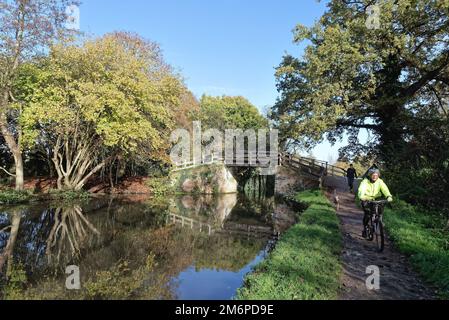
pixel 283 70
pixel 103 87
pixel 301 32
pixel 443 4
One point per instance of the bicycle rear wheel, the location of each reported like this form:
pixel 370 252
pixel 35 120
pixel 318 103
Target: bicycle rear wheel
pixel 380 237
pixel 370 233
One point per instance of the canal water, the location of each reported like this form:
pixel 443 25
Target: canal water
pixel 135 247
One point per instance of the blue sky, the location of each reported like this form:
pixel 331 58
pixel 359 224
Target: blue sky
pixel 219 46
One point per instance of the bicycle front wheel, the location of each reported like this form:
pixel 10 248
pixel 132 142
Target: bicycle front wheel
pixel 380 237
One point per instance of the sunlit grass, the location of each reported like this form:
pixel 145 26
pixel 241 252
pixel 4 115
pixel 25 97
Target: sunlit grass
pixel 425 239
pixel 305 263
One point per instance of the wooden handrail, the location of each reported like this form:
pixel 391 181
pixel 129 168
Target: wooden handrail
pixel 315 167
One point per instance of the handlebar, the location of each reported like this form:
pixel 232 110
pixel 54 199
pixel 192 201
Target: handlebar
pixel 377 201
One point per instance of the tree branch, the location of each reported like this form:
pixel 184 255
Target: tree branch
pixel 5 228
pixel 430 75
pixel 7 172
pixel 357 125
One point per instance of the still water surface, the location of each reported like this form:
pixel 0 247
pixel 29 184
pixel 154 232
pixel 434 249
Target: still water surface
pixel 136 247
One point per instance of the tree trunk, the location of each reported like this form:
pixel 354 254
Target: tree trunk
pixel 7 254
pixel 18 160
pixel 51 170
pixel 14 148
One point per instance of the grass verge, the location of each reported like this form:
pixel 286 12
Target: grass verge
pixel 68 195
pixel 424 238
pixel 11 196
pixel 306 261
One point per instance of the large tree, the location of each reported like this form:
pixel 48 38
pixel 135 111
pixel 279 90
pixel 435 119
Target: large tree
pixel 99 101
pixel 27 27
pixel 383 78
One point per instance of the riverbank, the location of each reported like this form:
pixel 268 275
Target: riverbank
pixel 38 189
pixel 305 263
pixel 13 197
pixel 424 238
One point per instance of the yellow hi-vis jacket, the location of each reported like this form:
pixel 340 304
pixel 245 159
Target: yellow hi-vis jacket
pixel 372 191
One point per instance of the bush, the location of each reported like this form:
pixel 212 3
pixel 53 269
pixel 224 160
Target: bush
pixel 160 186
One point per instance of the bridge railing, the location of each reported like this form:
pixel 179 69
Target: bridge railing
pixel 252 158
pixel 332 170
pixel 310 166
pixel 315 167
pixel 189 222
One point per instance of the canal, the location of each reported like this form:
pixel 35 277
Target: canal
pixel 137 247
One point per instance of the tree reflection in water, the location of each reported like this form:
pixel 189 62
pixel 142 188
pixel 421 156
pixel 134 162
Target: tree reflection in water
pixel 71 228
pixel 6 255
pixel 131 248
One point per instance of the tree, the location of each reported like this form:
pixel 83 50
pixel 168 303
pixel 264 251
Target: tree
pixel 27 27
pixel 352 77
pixel 229 112
pixel 187 110
pixel 392 81
pixel 100 101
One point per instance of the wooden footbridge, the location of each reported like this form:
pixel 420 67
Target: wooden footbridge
pixel 310 167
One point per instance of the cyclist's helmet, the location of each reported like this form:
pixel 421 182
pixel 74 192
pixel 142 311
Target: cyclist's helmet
pixel 372 171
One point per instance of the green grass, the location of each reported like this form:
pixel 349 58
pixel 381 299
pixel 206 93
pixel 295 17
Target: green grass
pixel 69 195
pixel 11 196
pixel 306 261
pixel 425 239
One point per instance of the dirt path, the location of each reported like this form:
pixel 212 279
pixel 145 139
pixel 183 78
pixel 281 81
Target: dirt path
pixel 397 279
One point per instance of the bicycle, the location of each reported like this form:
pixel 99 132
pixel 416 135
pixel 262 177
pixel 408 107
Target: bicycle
pixel 375 226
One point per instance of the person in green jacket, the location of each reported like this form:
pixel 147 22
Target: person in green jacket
pixel 372 188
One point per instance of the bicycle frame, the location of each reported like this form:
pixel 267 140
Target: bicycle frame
pixel 375 223
pixel 374 210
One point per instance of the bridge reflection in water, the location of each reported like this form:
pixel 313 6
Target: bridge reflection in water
pixel 182 247
pixel 212 214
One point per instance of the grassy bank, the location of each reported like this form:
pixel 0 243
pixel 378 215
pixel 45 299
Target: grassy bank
pixel 424 238
pixel 11 196
pixel 305 263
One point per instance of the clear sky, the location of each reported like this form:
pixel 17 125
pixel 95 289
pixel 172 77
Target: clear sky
pixel 219 46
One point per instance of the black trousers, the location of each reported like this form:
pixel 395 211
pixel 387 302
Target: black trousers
pixel 351 183
pixel 367 212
